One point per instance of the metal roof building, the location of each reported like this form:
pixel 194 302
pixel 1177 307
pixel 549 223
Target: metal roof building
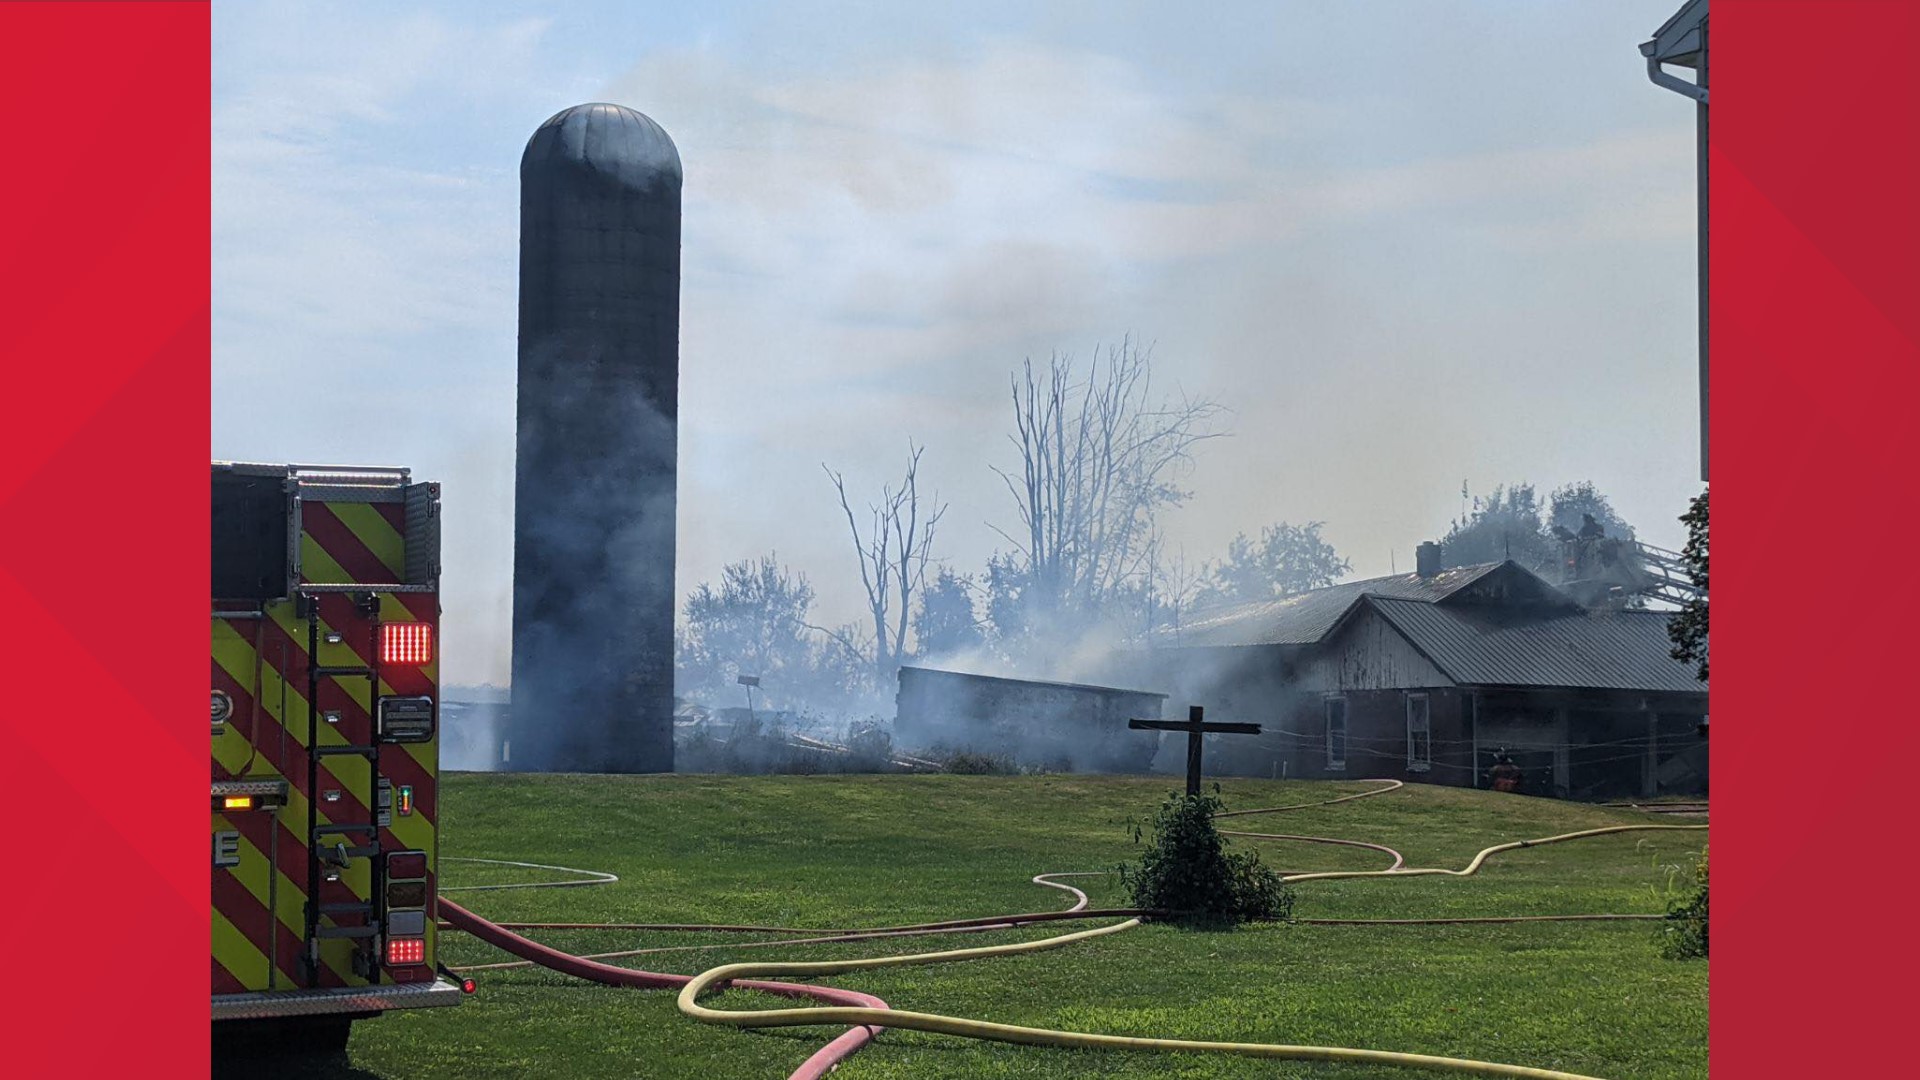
pixel 1306 618
pixel 1431 676
pixel 1607 650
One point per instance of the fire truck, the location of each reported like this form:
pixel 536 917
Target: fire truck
pixel 325 751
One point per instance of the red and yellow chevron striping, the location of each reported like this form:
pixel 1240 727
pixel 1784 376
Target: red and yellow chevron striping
pixel 263 665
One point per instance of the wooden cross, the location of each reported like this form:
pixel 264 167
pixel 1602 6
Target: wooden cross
pixel 1195 727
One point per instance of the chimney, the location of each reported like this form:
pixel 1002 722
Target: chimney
pixel 1426 559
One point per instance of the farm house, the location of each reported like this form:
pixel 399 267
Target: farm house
pixel 1429 676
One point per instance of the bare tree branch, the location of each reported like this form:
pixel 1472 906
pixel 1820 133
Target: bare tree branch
pixel 1099 457
pixel 893 552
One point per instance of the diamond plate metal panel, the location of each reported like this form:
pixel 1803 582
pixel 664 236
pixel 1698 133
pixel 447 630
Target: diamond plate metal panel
pixel 223 788
pixel 351 999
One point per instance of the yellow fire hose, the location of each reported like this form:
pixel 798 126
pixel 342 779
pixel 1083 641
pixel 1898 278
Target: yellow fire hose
pixel 1009 1033
pixel 1480 859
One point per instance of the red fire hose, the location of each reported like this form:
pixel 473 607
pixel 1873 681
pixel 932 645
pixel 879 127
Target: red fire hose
pixel 819 1065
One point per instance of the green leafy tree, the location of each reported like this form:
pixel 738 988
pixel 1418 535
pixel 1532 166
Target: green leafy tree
pixel 754 622
pixel 843 669
pixel 945 623
pixel 1503 525
pixel 1513 523
pixel 1286 559
pixel 1688 629
pixel 1007 609
pixel 1569 506
pixel 1575 513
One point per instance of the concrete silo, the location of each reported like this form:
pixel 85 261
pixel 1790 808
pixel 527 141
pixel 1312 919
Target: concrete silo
pixel 599 375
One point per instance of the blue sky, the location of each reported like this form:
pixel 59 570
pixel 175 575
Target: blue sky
pixel 1409 244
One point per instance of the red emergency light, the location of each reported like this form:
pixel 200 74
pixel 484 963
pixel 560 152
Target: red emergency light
pixel 406 643
pixel 406 950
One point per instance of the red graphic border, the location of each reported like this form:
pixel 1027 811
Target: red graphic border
pixel 104 327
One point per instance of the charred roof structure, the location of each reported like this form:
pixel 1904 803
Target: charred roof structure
pixel 1071 726
pixel 1435 675
pixel 1308 617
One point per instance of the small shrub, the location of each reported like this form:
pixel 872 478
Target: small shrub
pixel 1684 937
pixel 1186 869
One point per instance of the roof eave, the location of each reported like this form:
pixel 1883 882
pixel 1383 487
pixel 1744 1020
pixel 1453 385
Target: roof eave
pixel 1678 41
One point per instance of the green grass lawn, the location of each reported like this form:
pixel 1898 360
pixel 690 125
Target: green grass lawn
pixel 834 851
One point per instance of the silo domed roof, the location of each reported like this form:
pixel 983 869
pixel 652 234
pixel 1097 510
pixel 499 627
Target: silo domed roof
pixel 609 139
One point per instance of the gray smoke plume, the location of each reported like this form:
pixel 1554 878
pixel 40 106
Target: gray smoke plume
pixel 593 581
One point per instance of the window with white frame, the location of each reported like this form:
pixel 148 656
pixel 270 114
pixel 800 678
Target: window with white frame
pixel 1419 734
pixel 1336 733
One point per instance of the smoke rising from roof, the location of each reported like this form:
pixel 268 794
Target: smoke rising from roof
pixel 884 219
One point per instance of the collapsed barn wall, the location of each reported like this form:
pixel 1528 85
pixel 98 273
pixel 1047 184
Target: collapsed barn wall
pixel 1069 726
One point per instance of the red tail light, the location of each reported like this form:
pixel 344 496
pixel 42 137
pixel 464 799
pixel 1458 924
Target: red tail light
pixel 406 643
pixel 406 950
pixel 467 986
